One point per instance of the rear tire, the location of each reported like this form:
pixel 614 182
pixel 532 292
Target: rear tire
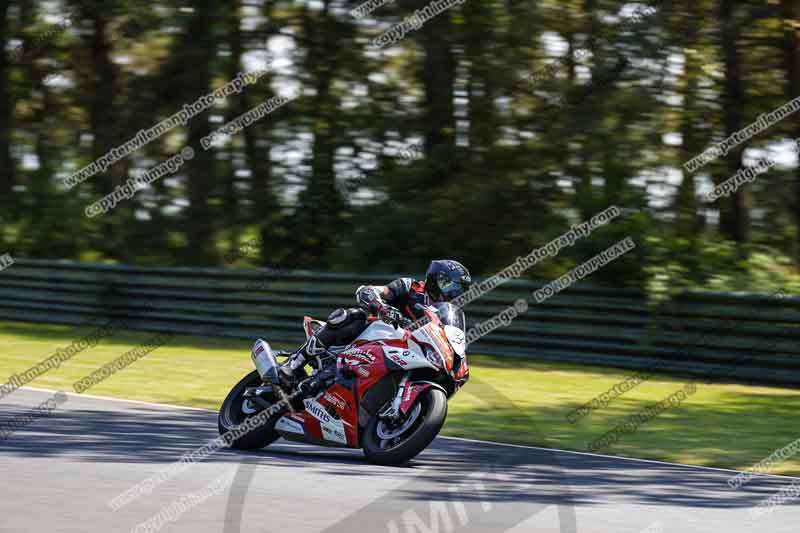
pixel 431 420
pixel 231 414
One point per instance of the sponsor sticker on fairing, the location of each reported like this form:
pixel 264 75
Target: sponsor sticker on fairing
pixel 433 357
pixel 317 411
pixel 336 400
pixel 398 360
pixel 334 433
pixel 407 395
pixel 290 426
pixel 358 357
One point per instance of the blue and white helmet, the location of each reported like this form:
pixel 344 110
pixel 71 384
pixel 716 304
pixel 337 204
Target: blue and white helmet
pixel 446 280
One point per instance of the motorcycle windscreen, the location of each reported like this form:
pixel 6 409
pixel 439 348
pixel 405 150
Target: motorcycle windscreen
pixel 450 315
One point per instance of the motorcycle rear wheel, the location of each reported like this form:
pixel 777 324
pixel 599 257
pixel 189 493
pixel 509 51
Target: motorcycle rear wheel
pixel 232 413
pixel 413 439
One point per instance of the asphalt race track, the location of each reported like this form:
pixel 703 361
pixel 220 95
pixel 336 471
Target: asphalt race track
pixel 59 473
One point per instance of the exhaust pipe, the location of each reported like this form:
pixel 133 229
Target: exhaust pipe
pixel 266 364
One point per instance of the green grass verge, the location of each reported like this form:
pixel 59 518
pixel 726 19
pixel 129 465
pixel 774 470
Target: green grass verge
pixel 509 400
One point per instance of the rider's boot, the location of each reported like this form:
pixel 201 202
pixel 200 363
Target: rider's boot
pixel 292 369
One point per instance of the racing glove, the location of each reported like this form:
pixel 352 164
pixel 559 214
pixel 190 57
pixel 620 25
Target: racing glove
pixel 392 315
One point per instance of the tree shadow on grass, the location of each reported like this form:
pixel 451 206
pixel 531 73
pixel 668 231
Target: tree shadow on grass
pixel 742 427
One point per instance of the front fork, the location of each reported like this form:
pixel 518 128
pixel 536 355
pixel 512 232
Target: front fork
pixel 393 410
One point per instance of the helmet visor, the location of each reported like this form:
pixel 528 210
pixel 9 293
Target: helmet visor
pixel 451 289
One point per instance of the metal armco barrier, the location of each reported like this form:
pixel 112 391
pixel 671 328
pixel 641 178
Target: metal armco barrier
pixel 705 334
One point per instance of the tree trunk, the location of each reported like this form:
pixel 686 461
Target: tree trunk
pixel 481 88
pixel 103 123
pixel 264 213
pixel 584 193
pixel 687 220
pixel 200 52
pixel 791 50
pixel 320 204
pixel 44 206
pixel 438 77
pixel 231 214
pixel 734 221
pixel 6 162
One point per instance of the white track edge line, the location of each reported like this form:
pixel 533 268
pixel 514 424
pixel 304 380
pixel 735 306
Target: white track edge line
pixel 112 399
pixel 621 457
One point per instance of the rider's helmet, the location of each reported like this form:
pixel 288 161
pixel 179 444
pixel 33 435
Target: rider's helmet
pixel 446 280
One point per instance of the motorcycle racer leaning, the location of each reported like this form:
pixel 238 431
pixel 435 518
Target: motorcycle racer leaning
pixel 395 303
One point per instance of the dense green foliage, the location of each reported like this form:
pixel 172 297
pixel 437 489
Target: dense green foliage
pixel 520 119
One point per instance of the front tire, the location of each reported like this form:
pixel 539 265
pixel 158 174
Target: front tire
pixel 232 413
pixel 433 412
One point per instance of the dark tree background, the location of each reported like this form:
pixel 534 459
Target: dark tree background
pixel 526 117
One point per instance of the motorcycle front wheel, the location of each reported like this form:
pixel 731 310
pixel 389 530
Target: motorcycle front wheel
pixel 398 442
pixel 236 409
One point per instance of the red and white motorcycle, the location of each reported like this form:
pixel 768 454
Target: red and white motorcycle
pixel 386 392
